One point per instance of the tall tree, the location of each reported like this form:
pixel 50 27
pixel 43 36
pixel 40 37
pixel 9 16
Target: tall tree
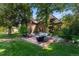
pixel 14 14
pixel 45 10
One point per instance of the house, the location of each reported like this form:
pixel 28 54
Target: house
pixel 35 26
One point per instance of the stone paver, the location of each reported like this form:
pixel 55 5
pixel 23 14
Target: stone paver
pixel 6 40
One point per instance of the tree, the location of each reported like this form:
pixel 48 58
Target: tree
pixel 24 12
pixel 15 14
pixel 45 10
pixel 72 21
pixel 74 27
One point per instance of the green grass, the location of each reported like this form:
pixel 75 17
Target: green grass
pixel 22 48
pixel 8 36
pixel 75 37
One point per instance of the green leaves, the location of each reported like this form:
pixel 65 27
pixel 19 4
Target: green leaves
pixel 15 14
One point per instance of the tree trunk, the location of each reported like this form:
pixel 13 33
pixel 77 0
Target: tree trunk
pixel 47 23
pixel 9 30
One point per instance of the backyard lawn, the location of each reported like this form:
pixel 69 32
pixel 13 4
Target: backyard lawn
pixel 23 26
pixel 22 48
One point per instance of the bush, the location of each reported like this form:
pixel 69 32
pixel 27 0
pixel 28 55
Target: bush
pixel 74 28
pixel 66 34
pixel 23 29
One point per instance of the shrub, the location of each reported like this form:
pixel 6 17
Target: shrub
pixel 23 29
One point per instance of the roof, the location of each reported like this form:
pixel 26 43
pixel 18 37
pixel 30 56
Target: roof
pixel 56 20
pixel 34 21
pixel 52 17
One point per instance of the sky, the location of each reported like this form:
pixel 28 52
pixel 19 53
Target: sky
pixel 60 15
pixel 56 14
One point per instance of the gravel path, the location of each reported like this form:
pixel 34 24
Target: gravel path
pixel 6 40
pixel 32 40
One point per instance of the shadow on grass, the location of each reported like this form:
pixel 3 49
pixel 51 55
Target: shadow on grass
pixel 8 36
pixel 22 48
